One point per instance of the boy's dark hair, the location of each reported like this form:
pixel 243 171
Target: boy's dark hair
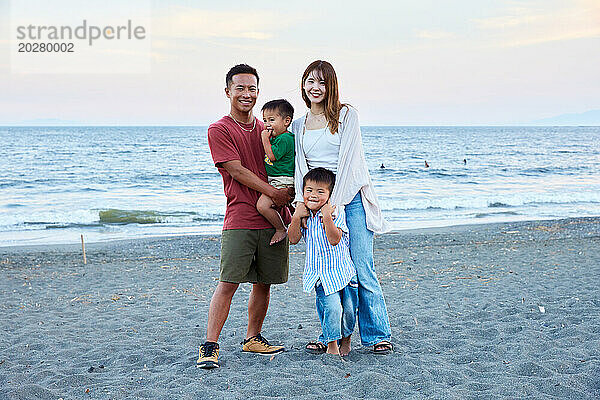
pixel 320 175
pixel 240 69
pixel 281 106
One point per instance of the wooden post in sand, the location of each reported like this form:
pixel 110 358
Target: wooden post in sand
pixel 83 250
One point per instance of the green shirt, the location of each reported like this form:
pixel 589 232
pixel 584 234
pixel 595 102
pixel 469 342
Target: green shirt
pixel 283 150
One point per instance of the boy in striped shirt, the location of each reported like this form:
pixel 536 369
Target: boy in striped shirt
pixel 328 267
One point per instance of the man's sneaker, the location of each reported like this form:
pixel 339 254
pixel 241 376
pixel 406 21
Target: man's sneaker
pixel 260 345
pixel 209 356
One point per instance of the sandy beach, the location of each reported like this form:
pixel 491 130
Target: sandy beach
pixel 499 311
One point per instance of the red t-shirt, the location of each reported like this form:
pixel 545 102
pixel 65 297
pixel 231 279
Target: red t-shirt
pixel 228 142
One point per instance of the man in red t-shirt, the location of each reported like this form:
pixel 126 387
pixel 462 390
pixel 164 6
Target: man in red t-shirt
pixel 246 256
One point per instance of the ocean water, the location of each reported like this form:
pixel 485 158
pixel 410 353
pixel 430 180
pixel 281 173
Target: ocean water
pixel 107 183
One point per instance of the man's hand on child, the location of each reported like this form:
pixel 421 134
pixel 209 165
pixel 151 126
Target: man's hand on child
pixel 292 192
pixel 281 197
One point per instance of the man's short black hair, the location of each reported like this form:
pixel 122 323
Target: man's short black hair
pixel 280 106
pixel 240 69
pixel 320 175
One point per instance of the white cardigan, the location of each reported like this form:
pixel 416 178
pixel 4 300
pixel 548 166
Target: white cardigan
pixel 352 171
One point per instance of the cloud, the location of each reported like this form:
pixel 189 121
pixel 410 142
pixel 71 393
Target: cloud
pixel 541 23
pixel 517 18
pixel 434 35
pixel 189 23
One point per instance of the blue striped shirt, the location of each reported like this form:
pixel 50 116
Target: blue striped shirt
pixel 331 265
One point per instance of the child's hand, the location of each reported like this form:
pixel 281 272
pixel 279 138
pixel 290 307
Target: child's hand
pixel 301 211
pixel 266 133
pixel 327 210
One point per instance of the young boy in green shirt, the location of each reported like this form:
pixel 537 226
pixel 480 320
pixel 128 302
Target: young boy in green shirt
pixel 278 143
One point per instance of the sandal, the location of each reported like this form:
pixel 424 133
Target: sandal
pixel 383 347
pixel 315 348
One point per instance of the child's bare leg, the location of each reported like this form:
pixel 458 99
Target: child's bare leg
pixel 263 205
pixel 345 346
pixel 332 348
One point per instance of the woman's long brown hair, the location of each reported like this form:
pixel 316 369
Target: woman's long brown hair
pixel 332 96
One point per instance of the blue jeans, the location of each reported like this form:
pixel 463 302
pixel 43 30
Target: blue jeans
pixel 373 321
pixel 337 312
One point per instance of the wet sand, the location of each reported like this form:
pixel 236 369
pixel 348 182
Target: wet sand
pixel 500 311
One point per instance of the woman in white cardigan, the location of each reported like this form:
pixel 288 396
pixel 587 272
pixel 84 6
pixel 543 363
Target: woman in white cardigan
pixel 329 136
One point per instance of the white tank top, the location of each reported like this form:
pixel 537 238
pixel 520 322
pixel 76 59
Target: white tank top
pixel 321 148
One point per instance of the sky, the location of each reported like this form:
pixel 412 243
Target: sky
pixel 419 62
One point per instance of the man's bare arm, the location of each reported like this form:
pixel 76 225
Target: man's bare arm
pixel 248 178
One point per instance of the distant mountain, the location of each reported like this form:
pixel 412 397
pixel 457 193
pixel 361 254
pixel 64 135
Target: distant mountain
pixel 588 118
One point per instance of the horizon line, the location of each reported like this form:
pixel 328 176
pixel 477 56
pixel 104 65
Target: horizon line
pixel 362 125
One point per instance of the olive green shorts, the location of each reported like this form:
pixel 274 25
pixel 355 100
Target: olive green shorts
pixel 246 256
